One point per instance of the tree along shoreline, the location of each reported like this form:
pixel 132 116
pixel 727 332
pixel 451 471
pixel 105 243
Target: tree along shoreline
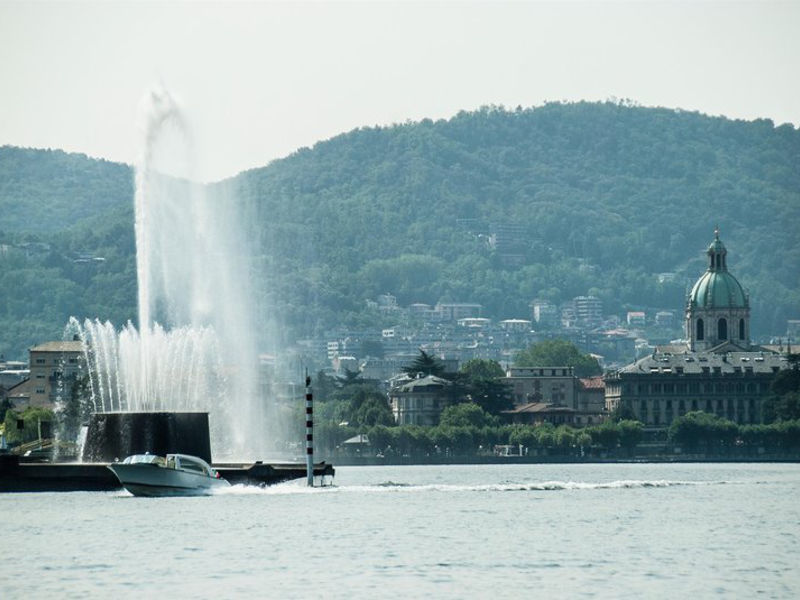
pixel 696 436
pixel 374 461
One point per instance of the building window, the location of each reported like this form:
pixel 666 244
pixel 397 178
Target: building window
pixel 741 329
pixel 40 361
pixel 40 390
pixel 700 330
pixel 722 329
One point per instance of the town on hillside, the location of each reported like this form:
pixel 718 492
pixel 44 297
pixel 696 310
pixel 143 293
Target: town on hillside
pixel 567 368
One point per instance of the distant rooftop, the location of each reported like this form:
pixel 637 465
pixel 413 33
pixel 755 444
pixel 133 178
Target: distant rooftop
pixel 698 362
pixel 59 347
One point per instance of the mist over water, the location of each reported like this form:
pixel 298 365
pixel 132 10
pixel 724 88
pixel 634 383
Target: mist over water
pixel 194 347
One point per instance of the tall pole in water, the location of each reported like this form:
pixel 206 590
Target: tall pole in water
pixel 309 432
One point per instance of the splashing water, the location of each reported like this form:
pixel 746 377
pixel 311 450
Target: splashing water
pixel 194 348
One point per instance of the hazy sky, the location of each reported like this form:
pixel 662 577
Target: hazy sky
pixel 261 79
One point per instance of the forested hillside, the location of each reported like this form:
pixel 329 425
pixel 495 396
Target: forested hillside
pixel 598 198
pixel 607 197
pixel 45 191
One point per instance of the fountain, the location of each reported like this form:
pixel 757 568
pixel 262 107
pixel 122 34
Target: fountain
pixel 184 379
pixel 193 349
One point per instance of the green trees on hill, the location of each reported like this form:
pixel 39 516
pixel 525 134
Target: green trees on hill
pixel 558 353
pixel 605 197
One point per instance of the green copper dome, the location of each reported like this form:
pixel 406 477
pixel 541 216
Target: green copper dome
pixel 717 288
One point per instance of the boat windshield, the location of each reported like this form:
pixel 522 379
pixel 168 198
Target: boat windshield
pixel 189 464
pixel 144 459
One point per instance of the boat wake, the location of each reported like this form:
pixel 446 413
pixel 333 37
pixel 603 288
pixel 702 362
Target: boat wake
pixel 299 487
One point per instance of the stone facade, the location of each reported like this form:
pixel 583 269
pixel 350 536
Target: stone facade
pixel 549 385
pixel 661 387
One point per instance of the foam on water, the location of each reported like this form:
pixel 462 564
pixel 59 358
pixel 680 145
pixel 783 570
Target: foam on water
pixel 300 487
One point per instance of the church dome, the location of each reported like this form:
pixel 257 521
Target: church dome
pixel 717 288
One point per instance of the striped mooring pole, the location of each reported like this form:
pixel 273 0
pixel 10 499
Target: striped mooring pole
pixel 309 432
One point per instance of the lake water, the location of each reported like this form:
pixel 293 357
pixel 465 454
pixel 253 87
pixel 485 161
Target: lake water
pixel 488 531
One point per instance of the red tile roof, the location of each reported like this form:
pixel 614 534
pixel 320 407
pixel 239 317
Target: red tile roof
pixel 593 383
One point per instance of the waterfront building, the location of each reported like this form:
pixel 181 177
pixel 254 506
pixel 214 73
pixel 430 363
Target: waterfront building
pixel 590 402
pixel 663 386
pixel 548 385
pixel 420 401
pixel 717 370
pixel 539 413
pixel 554 395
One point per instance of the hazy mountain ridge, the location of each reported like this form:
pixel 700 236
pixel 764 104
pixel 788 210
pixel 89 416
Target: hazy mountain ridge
pixel 606 196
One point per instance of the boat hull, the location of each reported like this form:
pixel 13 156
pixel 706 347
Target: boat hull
pixel 154 481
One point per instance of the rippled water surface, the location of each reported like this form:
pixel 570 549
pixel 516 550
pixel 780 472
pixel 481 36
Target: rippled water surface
pixel 489 531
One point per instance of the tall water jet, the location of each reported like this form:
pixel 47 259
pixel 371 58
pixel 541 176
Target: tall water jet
pixel 194 346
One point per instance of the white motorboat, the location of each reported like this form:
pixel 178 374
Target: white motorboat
pixel 175 475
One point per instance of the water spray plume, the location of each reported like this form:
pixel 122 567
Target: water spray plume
pixel 193 347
